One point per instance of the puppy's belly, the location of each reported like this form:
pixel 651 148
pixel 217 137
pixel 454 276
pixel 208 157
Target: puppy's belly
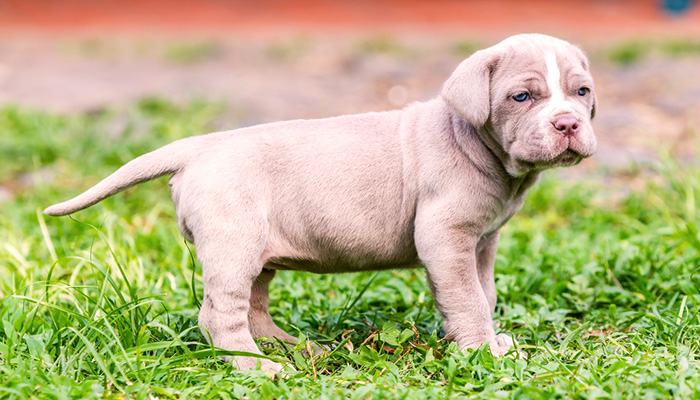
pixel 333 256
pixel 338 265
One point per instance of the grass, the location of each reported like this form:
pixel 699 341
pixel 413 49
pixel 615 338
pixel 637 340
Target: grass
pixel 171 51
pixel 193 52
pixel 598 283
pixel 382 44
pixel 634 51
pixel 467 47
pixel 290 49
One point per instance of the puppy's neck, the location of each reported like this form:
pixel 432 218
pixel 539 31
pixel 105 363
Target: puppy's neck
pixel 489 157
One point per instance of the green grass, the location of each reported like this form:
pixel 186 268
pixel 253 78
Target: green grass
pixel 171 51
pixel 597 281
pixel 193 52
pixel 382 44
pixel 634 51
pixel 467 47
pixel 290 49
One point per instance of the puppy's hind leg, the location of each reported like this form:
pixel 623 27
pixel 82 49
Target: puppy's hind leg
pixel 230 263
pixel 259 320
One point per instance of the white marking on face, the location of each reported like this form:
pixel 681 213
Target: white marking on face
pixel 553 77
pixel 557 102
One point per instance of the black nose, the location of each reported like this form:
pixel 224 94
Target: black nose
pixel 567 125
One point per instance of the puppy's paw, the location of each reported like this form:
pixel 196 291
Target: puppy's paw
pixel 247 363
pixel 502 344
pixel 268 365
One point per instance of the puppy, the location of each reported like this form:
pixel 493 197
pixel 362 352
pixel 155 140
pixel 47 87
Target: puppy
pixel 427 186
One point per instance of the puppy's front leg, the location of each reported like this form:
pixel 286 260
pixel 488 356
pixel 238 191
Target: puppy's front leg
pixel 454 281
pixel 485 258
pixel 450 259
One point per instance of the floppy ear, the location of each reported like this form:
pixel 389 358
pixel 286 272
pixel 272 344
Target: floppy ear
pixel 467 91
pixel 595 105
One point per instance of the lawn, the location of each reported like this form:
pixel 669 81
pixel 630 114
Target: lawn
pixel 596 277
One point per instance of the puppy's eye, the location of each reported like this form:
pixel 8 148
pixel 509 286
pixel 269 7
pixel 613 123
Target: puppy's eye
pixel 520 97
pixel 583 91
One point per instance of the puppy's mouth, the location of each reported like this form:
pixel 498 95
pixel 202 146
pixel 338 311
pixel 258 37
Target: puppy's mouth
pixel 572 151
pixel 554 151
pixel 568 157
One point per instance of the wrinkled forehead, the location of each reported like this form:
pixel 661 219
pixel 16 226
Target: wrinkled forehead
pixel 539 56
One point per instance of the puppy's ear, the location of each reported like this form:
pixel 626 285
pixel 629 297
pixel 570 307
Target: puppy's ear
pixel 595 106
pixel 468 90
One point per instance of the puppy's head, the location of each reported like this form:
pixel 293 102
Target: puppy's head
pixel 533 95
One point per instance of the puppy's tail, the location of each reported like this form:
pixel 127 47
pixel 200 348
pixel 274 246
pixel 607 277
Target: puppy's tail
pixel 168 159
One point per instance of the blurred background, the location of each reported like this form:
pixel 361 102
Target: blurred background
pixel 271 60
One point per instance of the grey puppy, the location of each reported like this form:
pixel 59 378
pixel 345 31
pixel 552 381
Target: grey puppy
pixel 426 186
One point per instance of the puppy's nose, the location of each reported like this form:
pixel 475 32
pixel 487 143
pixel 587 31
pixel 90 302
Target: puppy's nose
pixel 567 125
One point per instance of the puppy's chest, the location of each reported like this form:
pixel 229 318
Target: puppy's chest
pixel 511 197
pixel 503 214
